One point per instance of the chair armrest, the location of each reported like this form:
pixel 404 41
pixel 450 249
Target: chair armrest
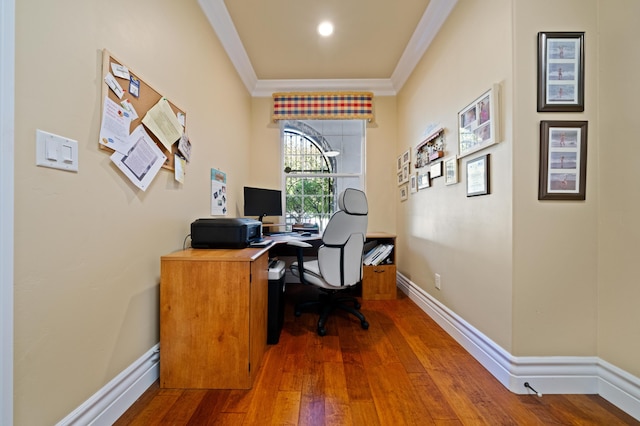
pixel 300 246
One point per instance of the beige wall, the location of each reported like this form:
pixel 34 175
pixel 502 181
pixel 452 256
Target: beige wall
pixel 467 241
pixel 550 278
pixel 87 244
pixel 555 249
pixel 539 278
pixel 619 201
pixel 380 173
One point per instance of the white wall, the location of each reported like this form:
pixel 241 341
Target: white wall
pixel 88 244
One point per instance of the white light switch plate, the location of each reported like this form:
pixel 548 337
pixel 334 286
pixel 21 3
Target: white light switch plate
pixel 56 151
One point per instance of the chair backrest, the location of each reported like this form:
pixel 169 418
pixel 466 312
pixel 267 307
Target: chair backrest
pixel 340 256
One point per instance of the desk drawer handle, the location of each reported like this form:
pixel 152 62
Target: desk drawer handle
pixel 378 271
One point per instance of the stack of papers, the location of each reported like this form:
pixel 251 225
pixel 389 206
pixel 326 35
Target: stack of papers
pixel 378 254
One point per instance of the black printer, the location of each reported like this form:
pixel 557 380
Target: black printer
pixel 225 232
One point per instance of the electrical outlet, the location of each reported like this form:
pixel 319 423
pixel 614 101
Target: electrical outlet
pixel 438 281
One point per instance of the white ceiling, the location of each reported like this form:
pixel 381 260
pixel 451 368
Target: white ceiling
pixel 275 46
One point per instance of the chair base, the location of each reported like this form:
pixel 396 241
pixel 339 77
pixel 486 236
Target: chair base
pixel 327 302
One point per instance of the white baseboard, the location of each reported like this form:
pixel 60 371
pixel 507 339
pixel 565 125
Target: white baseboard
pixel 550 375
pixel 110 402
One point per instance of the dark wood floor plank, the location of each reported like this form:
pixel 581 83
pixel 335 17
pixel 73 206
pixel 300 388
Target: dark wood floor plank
pixel 403 370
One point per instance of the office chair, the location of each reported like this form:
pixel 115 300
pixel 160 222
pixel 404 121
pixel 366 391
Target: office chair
pixel 339 264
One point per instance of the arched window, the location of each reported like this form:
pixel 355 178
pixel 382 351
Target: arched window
pixel 320 158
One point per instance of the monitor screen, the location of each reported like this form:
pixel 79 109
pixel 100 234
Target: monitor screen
pixel 262 202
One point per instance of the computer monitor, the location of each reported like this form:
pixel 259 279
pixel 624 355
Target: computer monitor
pixel 262 202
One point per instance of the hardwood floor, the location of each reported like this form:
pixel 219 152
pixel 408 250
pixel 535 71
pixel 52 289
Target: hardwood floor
pixel 404 370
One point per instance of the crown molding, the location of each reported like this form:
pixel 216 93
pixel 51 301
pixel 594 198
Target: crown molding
pixel 220 20
pixel 434 16
pixel 437 12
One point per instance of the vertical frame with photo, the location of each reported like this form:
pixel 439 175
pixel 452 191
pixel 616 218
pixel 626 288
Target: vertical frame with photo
pixel 563 160
pixel 404 192
pixel 450 170
pixel 560 71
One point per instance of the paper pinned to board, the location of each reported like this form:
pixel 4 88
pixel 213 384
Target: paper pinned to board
pixel 143 160
pixel 163 123
pixel 114 85
pixel 114 129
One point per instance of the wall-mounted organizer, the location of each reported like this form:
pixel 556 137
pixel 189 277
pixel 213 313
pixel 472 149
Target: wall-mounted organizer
pixel 129 87
pixel 430 149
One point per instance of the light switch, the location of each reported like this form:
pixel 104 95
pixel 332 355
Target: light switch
pixel 51 147
pixel 67 153
pixel 56 151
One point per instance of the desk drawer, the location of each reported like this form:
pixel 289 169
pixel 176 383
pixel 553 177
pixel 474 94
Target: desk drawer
pixel 379 282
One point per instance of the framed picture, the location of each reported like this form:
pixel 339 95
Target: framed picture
pixel 560 71
pixel 405 172
pixel 478 176
pixel 406 156
pixel 563 160
pixel 399 164
pixel 423 180
pixel 400 178
pixel 450 170
pixel 435 170
pixel 414 183
pixel 404 192
pixel 478 123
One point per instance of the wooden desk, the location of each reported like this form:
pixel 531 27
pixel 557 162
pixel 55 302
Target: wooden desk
pixel 213 317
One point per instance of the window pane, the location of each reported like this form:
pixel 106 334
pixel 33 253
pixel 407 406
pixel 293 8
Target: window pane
pixel 314 177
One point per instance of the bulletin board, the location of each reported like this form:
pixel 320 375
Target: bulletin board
pixel 146 99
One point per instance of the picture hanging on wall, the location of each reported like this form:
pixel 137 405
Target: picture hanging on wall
pixel 478 123
pixel 450 170
pixel 478 176
pixel 404 192
pixel 563 160
pixel 423 180
pixel 560 71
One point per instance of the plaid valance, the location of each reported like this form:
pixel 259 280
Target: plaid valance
pixel 333 105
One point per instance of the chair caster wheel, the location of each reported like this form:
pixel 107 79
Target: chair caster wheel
pixel 297 313
pixel 365 325
pixel 322 331
pixel 357 305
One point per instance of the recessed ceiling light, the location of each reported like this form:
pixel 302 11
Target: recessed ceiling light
pixel 325 29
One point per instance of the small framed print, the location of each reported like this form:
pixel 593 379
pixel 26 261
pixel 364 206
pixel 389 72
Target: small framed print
pixel 560 71
pixel 406 157
pixel 435 170
pixel 399 164
pixel 404 192
pixel 563 160
pixel 450 170
pixel 405 172
pixel 400 178
pixel 478 176
pixel 478 123
pixel 414 183
pixel 423 180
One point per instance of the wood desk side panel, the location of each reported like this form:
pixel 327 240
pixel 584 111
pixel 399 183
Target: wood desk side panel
pixel 258 317
pixel 204 324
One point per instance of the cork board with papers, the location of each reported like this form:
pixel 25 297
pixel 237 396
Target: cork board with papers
pixel 132 109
